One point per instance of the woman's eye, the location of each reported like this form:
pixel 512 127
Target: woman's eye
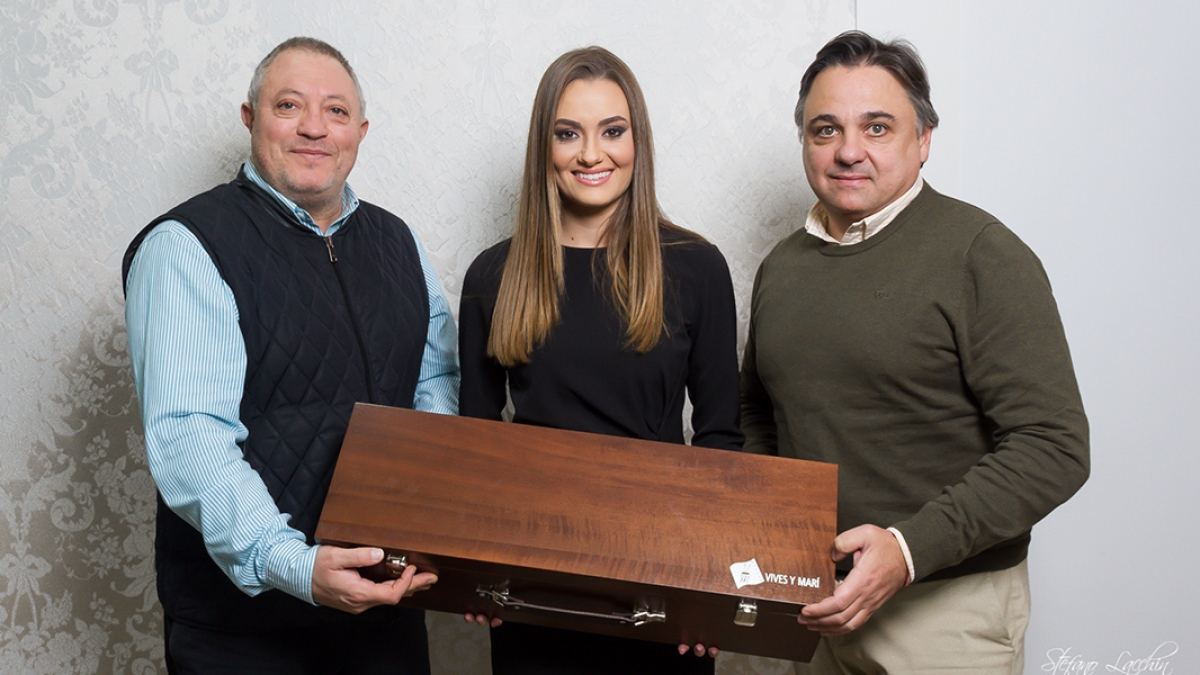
pixel 564 134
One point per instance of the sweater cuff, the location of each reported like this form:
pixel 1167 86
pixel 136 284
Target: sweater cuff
pixel 290 568
pixel 908 561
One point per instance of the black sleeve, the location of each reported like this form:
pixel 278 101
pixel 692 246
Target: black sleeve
pixel 712 363
pixel 482 392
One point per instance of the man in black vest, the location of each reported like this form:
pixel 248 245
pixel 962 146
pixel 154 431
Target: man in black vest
pixel 259 312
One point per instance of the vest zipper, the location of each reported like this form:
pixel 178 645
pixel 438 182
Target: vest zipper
pixel 362 345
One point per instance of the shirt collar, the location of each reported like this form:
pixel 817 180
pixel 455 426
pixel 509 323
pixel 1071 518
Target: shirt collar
pixel 349 202
pixel 818 219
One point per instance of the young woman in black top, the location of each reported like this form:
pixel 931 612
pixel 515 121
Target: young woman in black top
pixel 598 315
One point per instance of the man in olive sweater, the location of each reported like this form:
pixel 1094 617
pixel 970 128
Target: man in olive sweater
pixel 913 340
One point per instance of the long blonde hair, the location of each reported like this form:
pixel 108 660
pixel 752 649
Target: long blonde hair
pixel 531 285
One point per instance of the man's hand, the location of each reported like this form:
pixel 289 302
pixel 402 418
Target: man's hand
pixel 879 571
pixel 337 583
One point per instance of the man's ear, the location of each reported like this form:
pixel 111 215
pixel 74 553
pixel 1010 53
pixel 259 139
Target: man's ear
pixel 362 130
pixel 248 116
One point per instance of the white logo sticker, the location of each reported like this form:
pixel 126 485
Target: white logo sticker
pixel 746 573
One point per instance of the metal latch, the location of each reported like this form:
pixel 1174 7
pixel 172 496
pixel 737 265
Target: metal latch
pixel 747 613
pixel 395 563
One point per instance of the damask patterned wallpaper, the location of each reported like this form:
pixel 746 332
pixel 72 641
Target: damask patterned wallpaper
pixel 114 110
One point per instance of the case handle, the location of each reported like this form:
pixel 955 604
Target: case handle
pixel 640 615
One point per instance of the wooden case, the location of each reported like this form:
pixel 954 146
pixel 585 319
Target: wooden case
pixel 609 535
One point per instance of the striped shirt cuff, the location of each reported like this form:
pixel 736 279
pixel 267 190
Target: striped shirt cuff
pixel 290 568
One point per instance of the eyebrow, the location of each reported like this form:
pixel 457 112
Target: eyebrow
pixel 607 120
pixel 823 118
pixel 865 117
pixel 877 115
pixel 299 94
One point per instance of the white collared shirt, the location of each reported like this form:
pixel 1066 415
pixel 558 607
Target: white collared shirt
pixel 818 219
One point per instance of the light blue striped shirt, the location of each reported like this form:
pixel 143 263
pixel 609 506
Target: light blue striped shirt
pixel 189 365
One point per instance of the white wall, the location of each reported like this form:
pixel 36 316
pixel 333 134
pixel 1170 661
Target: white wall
pixel 1073 125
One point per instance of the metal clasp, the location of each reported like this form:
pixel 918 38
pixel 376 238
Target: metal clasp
pixel 747 613
pixel 395 563
pixel 644 616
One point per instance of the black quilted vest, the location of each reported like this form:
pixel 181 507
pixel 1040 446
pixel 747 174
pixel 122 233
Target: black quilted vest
pixel 327 322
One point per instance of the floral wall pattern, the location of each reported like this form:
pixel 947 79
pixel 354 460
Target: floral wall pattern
pixel 111 111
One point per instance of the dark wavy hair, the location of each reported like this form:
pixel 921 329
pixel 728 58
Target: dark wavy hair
pixel 898 57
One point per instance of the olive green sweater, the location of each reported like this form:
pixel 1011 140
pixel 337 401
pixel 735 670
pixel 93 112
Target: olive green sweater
pixel 929 363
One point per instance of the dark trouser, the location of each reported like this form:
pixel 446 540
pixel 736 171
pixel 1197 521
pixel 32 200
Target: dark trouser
pixel 394 647
pixel 519 649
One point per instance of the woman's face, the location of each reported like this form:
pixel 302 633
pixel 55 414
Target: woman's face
pixel 592 149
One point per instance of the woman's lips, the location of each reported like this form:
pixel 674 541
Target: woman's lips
pixel 592 177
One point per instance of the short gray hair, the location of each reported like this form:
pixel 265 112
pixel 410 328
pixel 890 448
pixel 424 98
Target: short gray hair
pixel 307 44
pixel 898 57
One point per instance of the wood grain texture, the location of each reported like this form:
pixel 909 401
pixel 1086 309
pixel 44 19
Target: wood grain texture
pixel 596 523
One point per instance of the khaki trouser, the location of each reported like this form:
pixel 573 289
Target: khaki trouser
pixel 972 624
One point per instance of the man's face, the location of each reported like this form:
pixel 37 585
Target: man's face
pixel 861 147
pixel 305 129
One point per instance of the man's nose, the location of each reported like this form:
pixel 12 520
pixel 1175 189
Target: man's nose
pixel 312 124
pixel 852 150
